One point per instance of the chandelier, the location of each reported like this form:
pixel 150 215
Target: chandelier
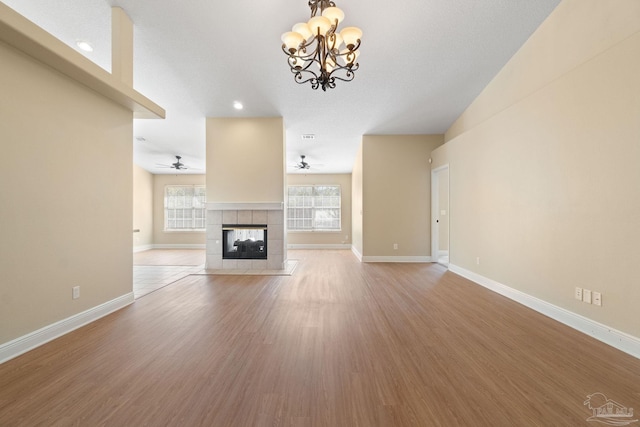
pixel 317 52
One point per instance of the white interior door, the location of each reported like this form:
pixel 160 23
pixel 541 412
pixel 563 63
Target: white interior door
pixel 440 215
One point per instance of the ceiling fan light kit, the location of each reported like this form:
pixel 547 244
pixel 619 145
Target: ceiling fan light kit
pixel 303 164
pixel 177 165
pixel 317 52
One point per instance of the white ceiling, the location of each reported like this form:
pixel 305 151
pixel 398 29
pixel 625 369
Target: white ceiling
pixel 422 63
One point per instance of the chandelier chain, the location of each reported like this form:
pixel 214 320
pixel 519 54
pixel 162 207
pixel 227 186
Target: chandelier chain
pixel 323 4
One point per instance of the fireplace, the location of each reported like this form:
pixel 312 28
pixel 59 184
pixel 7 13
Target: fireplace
pixel 244 241
pixel 247 215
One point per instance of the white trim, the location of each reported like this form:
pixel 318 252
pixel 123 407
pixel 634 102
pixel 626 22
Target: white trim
pixel 315 231
pixel 245 206
pixel 356 253
pixel 618 339
pixel 317 246
pixel 37 338
pixel 396 259
pixel 435 208
pixel 141 248
pixel 180 246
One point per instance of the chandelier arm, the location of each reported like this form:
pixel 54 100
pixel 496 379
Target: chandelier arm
pixel 300 79
pixel 357 46
pixel 349 76
pixel 305 68
pixel 349 73
pixel 304 75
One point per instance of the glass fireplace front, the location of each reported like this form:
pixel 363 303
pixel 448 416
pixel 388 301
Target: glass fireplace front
pixel 244 241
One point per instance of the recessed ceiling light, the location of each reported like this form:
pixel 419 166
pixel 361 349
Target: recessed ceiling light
pixel 237 105
pixel 84 45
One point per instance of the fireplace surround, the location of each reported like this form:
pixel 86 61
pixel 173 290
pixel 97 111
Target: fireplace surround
pixel 269 215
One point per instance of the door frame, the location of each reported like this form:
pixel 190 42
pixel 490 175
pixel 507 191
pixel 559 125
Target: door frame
pixel 435 212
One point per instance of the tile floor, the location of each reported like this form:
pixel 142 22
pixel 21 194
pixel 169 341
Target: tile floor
pixel 290 266
pixel 148 278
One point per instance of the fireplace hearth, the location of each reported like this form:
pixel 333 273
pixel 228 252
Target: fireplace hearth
pixel 244 241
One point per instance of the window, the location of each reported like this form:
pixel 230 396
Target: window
pixel 184 208
pixel 313 208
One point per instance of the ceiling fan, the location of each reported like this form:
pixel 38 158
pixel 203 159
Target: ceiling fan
pixel 302 164
pixel 178 165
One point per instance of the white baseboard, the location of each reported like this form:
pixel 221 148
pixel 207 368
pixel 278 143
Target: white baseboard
pixel 181 246
pixel 317 246
pixel 396 259
pixel 618 339
pixel 143 248
pixel 37 338
pixel 356 253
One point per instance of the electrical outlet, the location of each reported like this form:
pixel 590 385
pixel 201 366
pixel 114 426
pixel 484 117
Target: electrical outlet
pixel 597 299
pixel 75 292
pixel 578 294
pixel 586 296
pixel 478 261
pixel 395 246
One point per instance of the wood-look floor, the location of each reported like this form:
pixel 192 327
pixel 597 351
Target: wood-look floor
pixel 339 343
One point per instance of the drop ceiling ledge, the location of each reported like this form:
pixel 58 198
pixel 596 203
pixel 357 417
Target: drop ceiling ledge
pixel 24 35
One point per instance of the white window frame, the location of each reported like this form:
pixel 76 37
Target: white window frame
pixel 313 219
pixel 197 205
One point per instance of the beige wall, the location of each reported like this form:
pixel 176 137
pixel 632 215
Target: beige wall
pixel 177 238
pixel 245 160
pixel 396 194
pixel 66 210
pixel 142 207
pixel 325 238
pixel 356 203
pixel 544 167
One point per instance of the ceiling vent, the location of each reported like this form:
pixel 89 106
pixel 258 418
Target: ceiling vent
pixel 309 137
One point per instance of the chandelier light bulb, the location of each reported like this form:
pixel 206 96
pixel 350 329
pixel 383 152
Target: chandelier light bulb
pixel 292 40
pixel 333 14
pixel 319 25
pixel 351 35
pixel 303 29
